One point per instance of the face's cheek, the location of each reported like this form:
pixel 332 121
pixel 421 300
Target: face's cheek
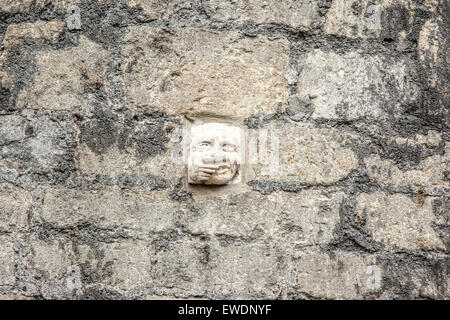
pixel 196 157
pixel 233 158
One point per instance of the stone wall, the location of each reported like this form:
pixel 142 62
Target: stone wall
pixel 93 116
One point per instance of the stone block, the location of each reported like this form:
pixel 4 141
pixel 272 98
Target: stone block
pixel 199 71
pixel 301 15
pixel 399 222
pixel 340 275
pixel 300 154
pixel 355 86
pixel 7 268
pixel 15 205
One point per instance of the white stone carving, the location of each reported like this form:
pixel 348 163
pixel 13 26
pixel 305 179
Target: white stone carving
pixel 214 154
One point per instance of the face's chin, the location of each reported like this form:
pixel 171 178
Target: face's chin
pixel 224 174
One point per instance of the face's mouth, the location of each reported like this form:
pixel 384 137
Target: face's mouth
pixel 223 169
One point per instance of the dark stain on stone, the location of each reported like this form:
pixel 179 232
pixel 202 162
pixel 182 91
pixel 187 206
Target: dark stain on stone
pixel 100 133
pixel 7 104
pixel 94 293
pixel 151 140
pixel 178 194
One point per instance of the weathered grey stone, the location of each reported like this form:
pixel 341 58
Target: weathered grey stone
pixel 24 5
pixel 6 261
pixel 305 218
pixel 415 277
pixel 199 71
pixel 430 172
pixel 47 145
pixel 302 15
pixel 16 34
pixel 345 191
pixel 179 267
pixel 14 297
pixel 58 266
pixel 306 155
pixel 342 275
pixel 16 54
pixel 391 19
pixel 13 5
pixel 64 75
pixel 399 222
pixel 14 209
pixel 12 128
pixel 129 264
pixel 433 55
pixel 158 9
pixel 111 209
pixel 257 270
pixel 144 148
pixel 356 86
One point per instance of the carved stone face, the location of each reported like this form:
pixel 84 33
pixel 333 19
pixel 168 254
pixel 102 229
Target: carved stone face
pixel 214 154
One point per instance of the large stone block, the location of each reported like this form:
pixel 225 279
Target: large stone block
pixel 199 71
pixel 192 268
pixel 111 147
pixel 340 275
pixel 111 209
pixel 67 270
pixel 158 9
pixel 246 270
pixel 391 19
pixel 25 5
pixel 304 218
pixel 52 259
pixel 16 34
pixel 6 261
pixel 17 53
pixel 422 276
pixel 12 129
pixel 355 86
pixel 301 154
pixel 126 265
pixel 48 143
pixel 433 55
pixel 67 78
pixel 302 15
pixel 13 5
pixel 15 205
pixel 399 222
pixel 433 171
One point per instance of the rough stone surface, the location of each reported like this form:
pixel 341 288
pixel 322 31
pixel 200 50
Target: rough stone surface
pixel 198 71
pixel 339 276
pixel 344 193
pixel 109 209
pixel 6 261
pixel 305 155
pixel 399 222
pixel 302 15
pixel 157 9
pixel 66 77
pixel 353 86
pixel 16 206
pixel 308 218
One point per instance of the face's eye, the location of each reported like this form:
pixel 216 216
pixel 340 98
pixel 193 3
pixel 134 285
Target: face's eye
pixel 228 147
pixel 203 145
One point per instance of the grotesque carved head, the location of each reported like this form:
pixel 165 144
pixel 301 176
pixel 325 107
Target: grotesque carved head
pixel 214 154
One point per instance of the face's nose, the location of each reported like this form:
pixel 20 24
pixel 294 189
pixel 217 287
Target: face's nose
pixel 214 155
